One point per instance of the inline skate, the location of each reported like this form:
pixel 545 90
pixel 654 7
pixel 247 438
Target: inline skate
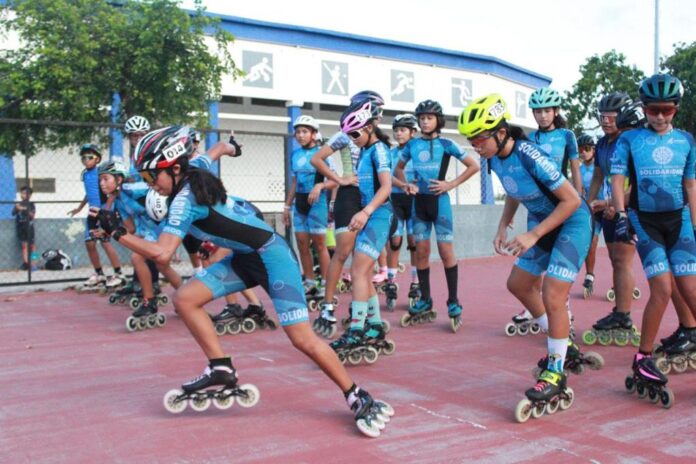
pixel 548 395
pixel 345 285
pixel 137 300
pixel 611 294
pixel 379 280
pixel 233 319
pixel 588 286
pixel 647 380
pixel 124 294
pixel 352 346
pixel 391 290
pixel 617 327
pixel 414 294
pixel 522 324
pixel 218 385
pixel 325 324
pixel 314 294
pixel 96 283
pixel 371 416
pixel 146 317
pixel 420 313
pixel 677 352
pixel 454 311
pixel 575 361
pixel 375 337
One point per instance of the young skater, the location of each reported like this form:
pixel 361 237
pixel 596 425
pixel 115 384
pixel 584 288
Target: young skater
pixel 24 213
pixel 586 145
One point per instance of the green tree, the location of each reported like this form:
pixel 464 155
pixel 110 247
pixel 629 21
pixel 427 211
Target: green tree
pixel 682 63
pixel 600 75
pixel 74 54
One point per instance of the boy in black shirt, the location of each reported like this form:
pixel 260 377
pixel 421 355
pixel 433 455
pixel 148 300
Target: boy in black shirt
pixel 24 212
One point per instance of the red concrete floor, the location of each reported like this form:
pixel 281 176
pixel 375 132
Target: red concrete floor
pixel 76 387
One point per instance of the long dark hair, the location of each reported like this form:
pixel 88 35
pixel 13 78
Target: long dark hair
pixel 206 188
pixel 559 122
pixel 516 132
pixel 381 135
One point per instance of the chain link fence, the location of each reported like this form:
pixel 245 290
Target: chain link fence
pixel 54 175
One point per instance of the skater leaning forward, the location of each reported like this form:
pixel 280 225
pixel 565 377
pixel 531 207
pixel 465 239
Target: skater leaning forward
pixel 260 257
pixel 556 243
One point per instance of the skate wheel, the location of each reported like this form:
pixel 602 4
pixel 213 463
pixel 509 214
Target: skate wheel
pixel 270 323
pixel 604 339
pixel 553 405
pixel 523 329
pixel 391 304
pixel 594 361
pixel 663 365
pixel 635 339
pixel 389 347
pixel 122 300
pixel 224 402
pixel 611 295
pixel 345 323
pixel 653 395
pixel 142 323
pixel 172 403
pixel 538 410
pixel 134 303
pixel 641 390
pixel 354 357
pixel 586 293
pixel 432 315
pixel 331 331
pixel 666 398
pixel 161 320
pixel 386 326
pixel 312 305
pixel 680 364
pixel 510 329
pixel 113 299
pixel 402 268
pixel 162 300
pixel 636 293
pixel 368 427
pixel 220 329
pixel 589 337
pixel 630 384
pixel 692 360
pixel 370 355
pixel 411 302
pixel 341 357
pixel 385 408
pixel 534 328
pixel 523 411
pixel 251 395
pixel 455 323
pixel 621 338
pixel 567 398
pixel 151 321
pixel 405 320
pixel 234 327
pixel 578 369
pixel 199 403
pixel 248 325
pixel 131 324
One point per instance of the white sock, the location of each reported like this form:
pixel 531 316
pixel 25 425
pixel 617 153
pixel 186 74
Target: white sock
pixel 543 322
pixel 557 348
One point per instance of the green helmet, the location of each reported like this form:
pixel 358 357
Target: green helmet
pixel 586 139
pixel 660 88
pixel 544 98
pixel 114 168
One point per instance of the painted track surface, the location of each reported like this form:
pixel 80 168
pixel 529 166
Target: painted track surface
pixel 76 387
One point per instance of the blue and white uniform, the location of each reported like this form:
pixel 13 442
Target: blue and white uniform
pixel 347 197
pixel 560 144
pixel 314 218
pixel 586 173
pixel 95 199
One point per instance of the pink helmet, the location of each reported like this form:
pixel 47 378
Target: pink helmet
pixel 358 115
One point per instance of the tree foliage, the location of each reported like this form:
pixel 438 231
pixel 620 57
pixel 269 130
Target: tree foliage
pixel 682 64
pixel 74 54
pixel 600 75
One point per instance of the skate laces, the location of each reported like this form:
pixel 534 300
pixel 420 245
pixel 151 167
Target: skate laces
pixel 206 373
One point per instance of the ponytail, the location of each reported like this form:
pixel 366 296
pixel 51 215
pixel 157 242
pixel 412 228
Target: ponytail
pixel 207 189
pixel 382 136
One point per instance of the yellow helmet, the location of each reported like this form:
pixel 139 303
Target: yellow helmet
pixel 483 114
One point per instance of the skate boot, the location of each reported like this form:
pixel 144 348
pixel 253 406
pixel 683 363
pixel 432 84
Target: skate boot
pixel 371 416
pixel 217 384
pixel 229 320
pixel 588 286
pixel 647 380
pixel 575 361
pixel 124 294
pixel 375 337
pixel 617 327
pixel 611 294
pixel 420 313
pixel 137 299
pixel 454 311
pixel 146 317
pixel 522 324
pixel 414 294
pixel 96 283
pixel 325 324
pixel 391 290
pixel 255 316
pixel 114 282
pixel 548 395
pixel 351 346
pixel 677 352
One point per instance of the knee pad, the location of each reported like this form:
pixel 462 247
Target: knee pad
pixel 395 246
pixel 410 248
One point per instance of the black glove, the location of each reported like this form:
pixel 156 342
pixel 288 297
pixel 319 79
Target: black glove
pixel 623 232
pixel 237 148
pixel 109 221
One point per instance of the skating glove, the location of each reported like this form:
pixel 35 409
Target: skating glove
pixel 109 221
pixel 206 249
pixel 623 231
pixel 237 148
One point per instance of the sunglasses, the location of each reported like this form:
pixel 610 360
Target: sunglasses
pixel 355 134
pixel 606 117
pixel 666 111
pixel 149 176
pixel 480 139
pixel 88 157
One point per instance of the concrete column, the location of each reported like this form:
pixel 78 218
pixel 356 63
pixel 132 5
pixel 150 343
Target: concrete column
pixel 115 134
pixel 211 138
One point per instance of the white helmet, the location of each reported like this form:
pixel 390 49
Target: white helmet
pixel 156 205
pixel 307 121
pixel 136 124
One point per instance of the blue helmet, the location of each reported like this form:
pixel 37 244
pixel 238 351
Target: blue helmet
pixel 660 88
pixel 544 97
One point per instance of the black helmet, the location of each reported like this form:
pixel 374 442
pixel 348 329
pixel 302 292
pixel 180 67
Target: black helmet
pixel 585 140
pixel 405 120
pixel 630 116
pixel 660 88
pixel 613 102
pixel 371 95
pixel 432 107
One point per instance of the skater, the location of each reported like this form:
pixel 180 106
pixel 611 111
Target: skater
pixel 556 243
pixel 586 144
pixel 91 157
pixel 372 223
pixel 24 213
pixel 347 204
pixel 260 257
pixel 659 162
pixel 432 207
pixel 405 127
pixel 309 192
